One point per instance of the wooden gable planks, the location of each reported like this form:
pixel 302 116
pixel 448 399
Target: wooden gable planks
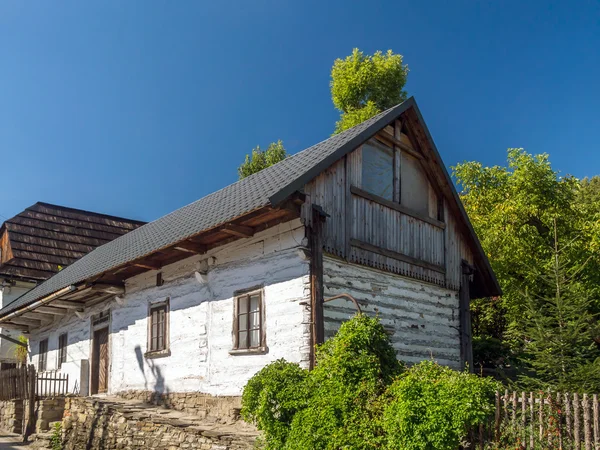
pixel 5 248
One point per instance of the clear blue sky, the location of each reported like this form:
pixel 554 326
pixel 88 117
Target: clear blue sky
pixel 136 108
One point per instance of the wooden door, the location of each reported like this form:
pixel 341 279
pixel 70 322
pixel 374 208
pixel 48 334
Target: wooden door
pixel 100 361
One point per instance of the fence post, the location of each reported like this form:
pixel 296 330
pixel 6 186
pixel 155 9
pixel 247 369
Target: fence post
pixel 587 431
pixel 497 421
pixel 559 413
pixel 31 400
pixel 576 422
pixel 596 424
pixel 524 417
pixel 532 421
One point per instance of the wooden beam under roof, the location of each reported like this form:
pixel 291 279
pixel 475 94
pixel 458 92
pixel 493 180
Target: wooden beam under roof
pixel 147 265
pixel 15 326
pixel 66 304
pixel 109 288
pixel 23 321
pixel 38 316
pixel 190 247
pixel 238 230
pixel 52 310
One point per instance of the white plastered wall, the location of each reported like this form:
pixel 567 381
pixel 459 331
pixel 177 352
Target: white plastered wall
pixel 200 318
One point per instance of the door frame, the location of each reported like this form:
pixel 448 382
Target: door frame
pixel 98 322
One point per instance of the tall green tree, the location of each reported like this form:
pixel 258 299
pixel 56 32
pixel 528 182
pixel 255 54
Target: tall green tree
pixel 364 85
pixel 516 211
pixel 559 350
pixel 260 159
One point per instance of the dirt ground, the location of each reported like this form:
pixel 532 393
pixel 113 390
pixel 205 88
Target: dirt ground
pixel 11 441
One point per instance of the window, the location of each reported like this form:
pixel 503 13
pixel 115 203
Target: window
pixel 378 170
pixel 415 186
pixel 248 322
pixel 42 355
pixel 62 349
pixel 158 329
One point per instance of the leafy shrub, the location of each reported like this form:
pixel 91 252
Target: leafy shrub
pixel 56 439
pixel 272 398
pixel 360 397
pixel 431 407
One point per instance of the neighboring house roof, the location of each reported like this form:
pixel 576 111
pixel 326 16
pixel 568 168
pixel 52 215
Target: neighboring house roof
pixel 42 240
pixel 271 186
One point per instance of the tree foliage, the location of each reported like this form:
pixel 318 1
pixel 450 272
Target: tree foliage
pixel 364 85
pixel 21 353
pixel 261 159
pixel 520 212
pixel 356 395
pixel 560 351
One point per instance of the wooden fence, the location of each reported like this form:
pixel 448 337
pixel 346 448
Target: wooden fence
pixel 24 383
pixel 51 384
pixel 568 421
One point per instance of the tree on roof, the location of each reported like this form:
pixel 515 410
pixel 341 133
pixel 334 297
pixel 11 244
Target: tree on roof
pixel 260 159
pixel 363 85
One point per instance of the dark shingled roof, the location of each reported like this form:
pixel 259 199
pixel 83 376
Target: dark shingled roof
pixel 40 240
pixel 270 186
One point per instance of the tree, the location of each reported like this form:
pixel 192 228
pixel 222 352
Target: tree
pixel 261 159
pixel 559 350
pixel 363 85
pixel 515 210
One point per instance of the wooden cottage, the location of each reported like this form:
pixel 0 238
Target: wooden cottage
pixel 201 299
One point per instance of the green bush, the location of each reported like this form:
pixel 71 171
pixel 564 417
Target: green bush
pixel 432 407
pixel 360 396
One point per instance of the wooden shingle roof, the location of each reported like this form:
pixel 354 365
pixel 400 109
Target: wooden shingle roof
pixel 43 239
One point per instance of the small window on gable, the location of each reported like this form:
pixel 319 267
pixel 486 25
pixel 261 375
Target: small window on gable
pixel 62 349
pixel 43 355
pixel 158 329
pixel 378 170
pixel 414 185
pixel 248 326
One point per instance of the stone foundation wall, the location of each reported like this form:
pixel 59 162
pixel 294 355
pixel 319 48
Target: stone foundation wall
pixel 221 409
pixel 49 410
pixel 11 415
pixel 95 424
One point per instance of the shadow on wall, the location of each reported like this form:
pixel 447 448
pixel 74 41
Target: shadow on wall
pixel 159 380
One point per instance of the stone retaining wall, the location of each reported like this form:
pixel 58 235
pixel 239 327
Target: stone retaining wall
pixel 96 424
pixel 48 410
pixel 11 415
pixel 220 409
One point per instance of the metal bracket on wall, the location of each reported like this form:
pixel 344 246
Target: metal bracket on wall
pixel 348 296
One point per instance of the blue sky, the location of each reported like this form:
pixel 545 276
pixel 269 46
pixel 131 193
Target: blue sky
pixel 137 108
